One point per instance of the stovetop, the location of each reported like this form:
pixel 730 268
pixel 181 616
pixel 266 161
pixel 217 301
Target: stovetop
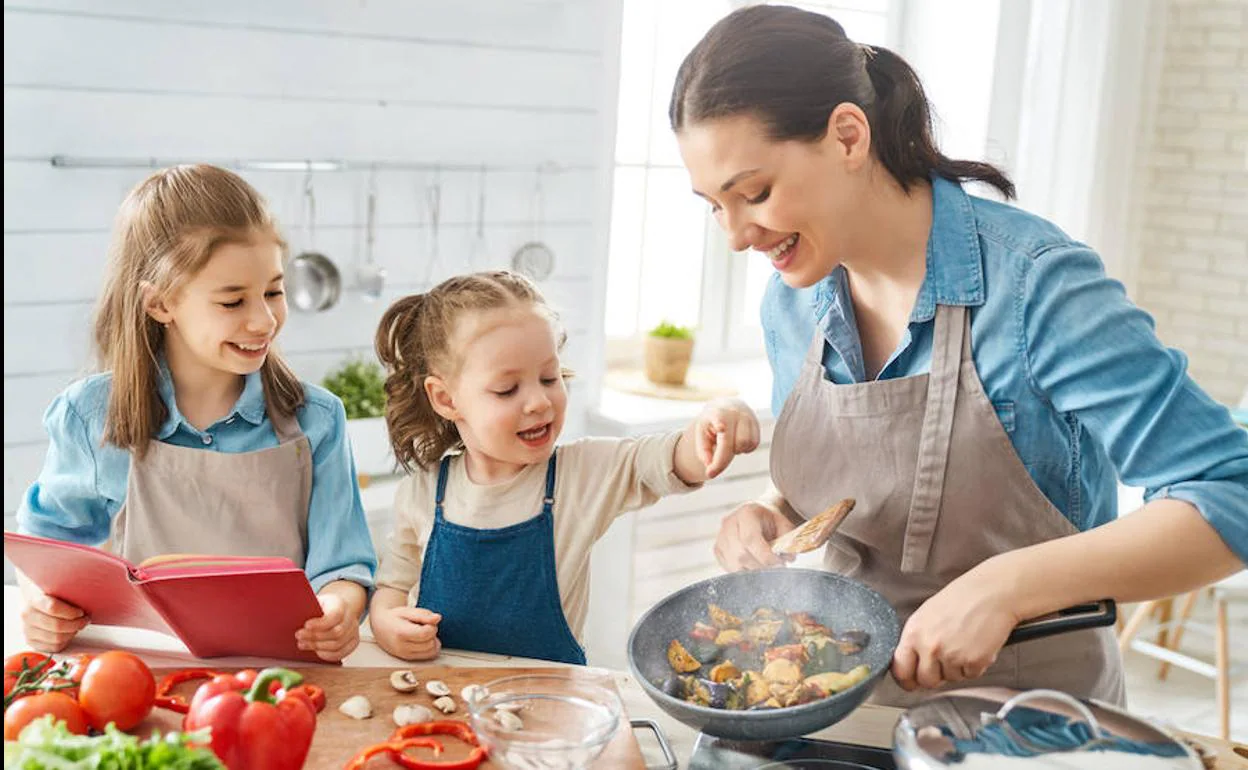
pixel 710 753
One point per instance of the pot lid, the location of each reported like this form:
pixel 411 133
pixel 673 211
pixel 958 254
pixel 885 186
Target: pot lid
pixel 1002 729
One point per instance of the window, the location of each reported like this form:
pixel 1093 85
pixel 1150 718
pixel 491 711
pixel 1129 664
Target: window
pixel 668 260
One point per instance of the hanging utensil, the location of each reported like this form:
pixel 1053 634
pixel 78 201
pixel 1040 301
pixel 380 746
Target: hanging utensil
pixel 479 250
pixel 534 258
pixel 313 281
pixel 433 199
pixel 370 277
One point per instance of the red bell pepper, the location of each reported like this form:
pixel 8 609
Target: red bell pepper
pixel 251 729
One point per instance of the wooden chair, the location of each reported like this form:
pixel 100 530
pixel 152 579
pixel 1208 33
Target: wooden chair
pixel 1170 636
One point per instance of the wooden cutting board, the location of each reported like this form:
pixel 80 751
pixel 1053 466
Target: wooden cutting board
pixel 339 737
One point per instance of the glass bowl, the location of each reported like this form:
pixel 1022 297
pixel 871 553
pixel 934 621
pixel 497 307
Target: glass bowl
pixel 566 721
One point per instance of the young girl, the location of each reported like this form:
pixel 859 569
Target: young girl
pixel 198 437
pixel 491 544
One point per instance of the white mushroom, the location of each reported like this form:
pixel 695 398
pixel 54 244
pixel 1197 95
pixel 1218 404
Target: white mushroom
pixel 508 721
pixel 357 707
pixel 473 693
pixel 510 706
pixel 445 704
pixel 437 688
pixel 411 713
pixel 404 681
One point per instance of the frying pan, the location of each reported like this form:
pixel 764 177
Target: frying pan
pixel 834 600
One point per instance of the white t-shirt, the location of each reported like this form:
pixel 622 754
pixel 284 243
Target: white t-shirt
pixel 597 479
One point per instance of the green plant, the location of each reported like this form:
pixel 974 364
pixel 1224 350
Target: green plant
pixel 671 331
pixel 361 386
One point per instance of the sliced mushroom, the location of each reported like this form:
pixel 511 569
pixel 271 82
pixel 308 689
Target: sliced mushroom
pixel 508 721
pixel 445 704
pixel 510 706
pixel 411 713
pixel 357 707
pixel 437 688
pixel 473 693
pixel 404 681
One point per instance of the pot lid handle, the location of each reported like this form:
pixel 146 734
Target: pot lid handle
pixel 1098 735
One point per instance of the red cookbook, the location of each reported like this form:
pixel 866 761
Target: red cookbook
pixel 217 605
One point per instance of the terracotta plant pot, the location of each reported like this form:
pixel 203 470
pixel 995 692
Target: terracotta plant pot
pixel 667 360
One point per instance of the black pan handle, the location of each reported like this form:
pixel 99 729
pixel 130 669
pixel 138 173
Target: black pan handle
pixel 1076 618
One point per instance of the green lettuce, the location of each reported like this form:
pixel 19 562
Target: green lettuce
pixel 45 745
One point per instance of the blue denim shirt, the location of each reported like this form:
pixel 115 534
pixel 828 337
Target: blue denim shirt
pixel 1079 380
pixel 83 481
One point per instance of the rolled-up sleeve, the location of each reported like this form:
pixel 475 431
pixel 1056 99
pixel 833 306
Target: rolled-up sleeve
pixel 1094 355
pixel 339 544
pixel 65 502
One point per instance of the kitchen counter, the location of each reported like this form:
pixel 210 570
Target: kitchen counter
pixel 867 725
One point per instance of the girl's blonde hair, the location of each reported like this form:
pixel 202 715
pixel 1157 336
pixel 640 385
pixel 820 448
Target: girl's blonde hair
pixel 414 341
pixel 166 230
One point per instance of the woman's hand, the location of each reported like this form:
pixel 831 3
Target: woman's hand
pixel 724 429
pixel 745 537
pixel 410 633
pixel 958 633
pixel 48 623
pixel 335 634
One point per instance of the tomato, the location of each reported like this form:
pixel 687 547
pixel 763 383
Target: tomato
pixel 117 687
pixel 77 669
pixel 21 661
pixel 25 710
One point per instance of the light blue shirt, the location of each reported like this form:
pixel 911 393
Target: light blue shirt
pixel 83 481
pixel 1079 380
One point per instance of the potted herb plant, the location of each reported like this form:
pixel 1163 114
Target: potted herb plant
pixel 668 351
pixel 361 386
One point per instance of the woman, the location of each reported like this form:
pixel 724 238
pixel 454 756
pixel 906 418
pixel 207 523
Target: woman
pixel 963 369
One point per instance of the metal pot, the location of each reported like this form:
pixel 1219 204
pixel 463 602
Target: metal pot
pixel 995 727
pixel 313 282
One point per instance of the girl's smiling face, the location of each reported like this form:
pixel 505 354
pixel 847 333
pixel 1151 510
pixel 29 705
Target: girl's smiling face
pixel 508 398
pixel 790 201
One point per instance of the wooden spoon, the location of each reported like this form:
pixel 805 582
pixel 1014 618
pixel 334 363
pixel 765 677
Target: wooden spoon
pixel 815 532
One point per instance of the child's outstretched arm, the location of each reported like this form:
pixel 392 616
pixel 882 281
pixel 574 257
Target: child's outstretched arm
pixel 410 633
pixel 724 429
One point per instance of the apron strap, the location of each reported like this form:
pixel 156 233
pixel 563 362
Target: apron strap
pixel 952 341
pixel 548 501
pixel 440 495
pixel 285 426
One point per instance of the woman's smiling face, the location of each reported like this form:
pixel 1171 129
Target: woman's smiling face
pixel 790 201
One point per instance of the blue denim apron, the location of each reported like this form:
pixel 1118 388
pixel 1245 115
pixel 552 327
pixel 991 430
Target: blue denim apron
pixel 496 589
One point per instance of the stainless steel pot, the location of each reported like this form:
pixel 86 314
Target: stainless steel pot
pixel 1003 729
pixel 313 282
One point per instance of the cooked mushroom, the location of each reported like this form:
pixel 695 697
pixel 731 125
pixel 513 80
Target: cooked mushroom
pixel 437 688
pixel 445 704
pixel 357 707
pixel 473 693
pixel 411 713
pixel 404 681
pixel 508 721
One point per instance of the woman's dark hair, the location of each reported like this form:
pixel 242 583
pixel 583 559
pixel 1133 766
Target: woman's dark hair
pixel 789 68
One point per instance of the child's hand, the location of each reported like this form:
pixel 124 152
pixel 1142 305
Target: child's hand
pixel 48 623
pixel 335 634
pixel 724 429
pixel 410 633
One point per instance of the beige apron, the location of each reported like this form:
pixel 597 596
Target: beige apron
pixel 183 500
pixel 939 489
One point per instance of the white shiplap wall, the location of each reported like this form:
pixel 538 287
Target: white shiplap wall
pixel 508 84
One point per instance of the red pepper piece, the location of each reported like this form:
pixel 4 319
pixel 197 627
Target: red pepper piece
pixel 314 694
pixel 394 749
pixel 165 697
pixel 458 730
pixel 252 730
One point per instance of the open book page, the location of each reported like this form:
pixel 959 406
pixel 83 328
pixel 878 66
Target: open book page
pixel 187 564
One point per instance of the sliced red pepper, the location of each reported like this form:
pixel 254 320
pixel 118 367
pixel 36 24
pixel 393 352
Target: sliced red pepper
pixel 167 699
pixel 314 694
pixel 458 730
pixel 394 748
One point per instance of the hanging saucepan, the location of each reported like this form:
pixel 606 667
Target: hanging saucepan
pixel 313 282
pixel 994 727
pixel 840 603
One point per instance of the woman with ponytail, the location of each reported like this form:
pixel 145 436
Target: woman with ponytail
pixel 963 369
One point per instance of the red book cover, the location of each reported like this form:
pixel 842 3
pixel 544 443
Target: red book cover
pixel 217 605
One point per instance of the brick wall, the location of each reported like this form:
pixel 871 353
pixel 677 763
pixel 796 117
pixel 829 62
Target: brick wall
pixel 1192 197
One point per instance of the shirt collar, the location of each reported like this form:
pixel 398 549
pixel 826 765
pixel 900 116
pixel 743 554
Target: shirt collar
pixel 249 406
